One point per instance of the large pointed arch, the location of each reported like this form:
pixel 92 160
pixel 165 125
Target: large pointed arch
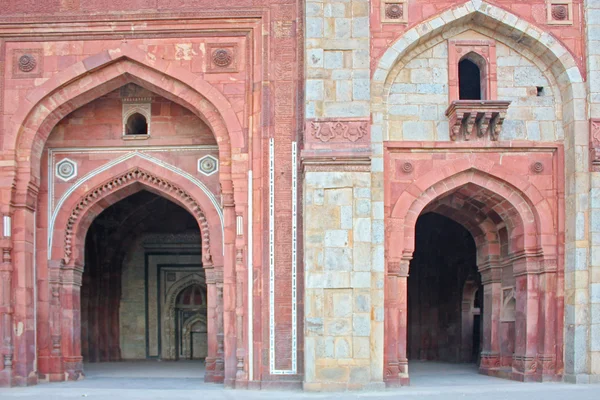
pixel 555 55
pixel 102 73
pixel 82 205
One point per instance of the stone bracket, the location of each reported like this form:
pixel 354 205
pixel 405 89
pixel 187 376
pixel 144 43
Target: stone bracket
pixel 482 117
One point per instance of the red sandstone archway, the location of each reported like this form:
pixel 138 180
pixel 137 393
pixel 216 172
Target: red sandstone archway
pixel 68 90
pixel 79 212
pixel 513 225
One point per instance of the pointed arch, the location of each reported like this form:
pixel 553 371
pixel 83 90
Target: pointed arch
pixel 555 55
pixel 102 73
pixel 80 210
pixel 531 209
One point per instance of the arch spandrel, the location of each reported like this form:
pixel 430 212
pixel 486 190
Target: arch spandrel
pixel 97 75
pixel 83 205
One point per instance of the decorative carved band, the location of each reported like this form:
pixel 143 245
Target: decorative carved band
pixel 136 175
pixel 337 131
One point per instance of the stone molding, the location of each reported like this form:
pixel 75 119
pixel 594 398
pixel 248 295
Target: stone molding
pixel 121 180
pixel 328 163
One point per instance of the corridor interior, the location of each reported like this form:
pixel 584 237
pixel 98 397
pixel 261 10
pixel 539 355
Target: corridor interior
pixel 143 298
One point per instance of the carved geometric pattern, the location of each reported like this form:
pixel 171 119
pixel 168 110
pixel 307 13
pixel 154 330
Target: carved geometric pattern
pixel 559 12
pixel 407 167
pixel 222 57
pixel 27 63
pixel 136 175
pixel 349 130
pixel 394 11
pixel 537 167
pixel 208 165
pixel 66 169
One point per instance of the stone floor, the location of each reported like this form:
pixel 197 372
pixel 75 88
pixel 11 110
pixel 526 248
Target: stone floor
pixel 183 380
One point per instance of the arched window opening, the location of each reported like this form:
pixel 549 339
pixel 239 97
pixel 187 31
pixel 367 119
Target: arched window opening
pixel 136 125
pixel 469 80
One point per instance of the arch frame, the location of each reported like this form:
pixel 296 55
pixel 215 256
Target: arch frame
pixel 26 135
pixel 535 255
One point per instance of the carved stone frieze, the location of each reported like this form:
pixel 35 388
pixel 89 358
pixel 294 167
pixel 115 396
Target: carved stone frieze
pixel 337 130
pixel 118 182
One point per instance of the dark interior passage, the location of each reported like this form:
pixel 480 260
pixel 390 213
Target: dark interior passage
pixel 122 292
pixel 444 293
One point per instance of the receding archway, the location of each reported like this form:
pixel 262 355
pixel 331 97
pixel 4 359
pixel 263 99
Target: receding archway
pixel 137 252
pixel 444 260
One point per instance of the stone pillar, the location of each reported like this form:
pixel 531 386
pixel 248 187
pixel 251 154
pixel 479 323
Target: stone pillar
pixel 582 241
pixel 550 341
pixel 6 310
pixel 70 303
pixel 214 339
pixel 228 293
pixel 23 223
pixel 396 324
pixel 525 362
pixel 343 227
pixel 241 377
pixel 491 277
pixel 344 293
pixel 53 366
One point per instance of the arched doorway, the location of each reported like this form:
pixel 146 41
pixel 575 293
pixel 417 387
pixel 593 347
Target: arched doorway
pixel 516 269
pixel 138 251
pixel 443 261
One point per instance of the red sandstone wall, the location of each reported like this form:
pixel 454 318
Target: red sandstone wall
pixel 100 120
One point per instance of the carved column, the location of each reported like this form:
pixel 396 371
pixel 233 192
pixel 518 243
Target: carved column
pixel 212 324
pixel 227 293
pixel 241 377
pixel 6 311
pixel 396 323
pixel 549 334
pixel 24 349
pixel 71 278
pixel 525 362
pixel 491 276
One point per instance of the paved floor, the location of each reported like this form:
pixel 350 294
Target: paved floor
pixel 183 380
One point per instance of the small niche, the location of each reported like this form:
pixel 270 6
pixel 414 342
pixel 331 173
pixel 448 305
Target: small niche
pixel 136 125
pixel 540 91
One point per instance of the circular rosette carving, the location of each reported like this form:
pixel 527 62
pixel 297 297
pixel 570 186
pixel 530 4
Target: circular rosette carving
pixel 537 167
pixel 222 57
pixel 407 167
pixel 560 12
pixel 27 63
pixel 394 11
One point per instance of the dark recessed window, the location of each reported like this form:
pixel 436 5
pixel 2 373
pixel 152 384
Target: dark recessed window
pixel 136 125
pixel 469 80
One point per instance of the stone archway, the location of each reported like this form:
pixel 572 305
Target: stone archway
pixel 515 232
pixel 65 325
pixel 67 91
